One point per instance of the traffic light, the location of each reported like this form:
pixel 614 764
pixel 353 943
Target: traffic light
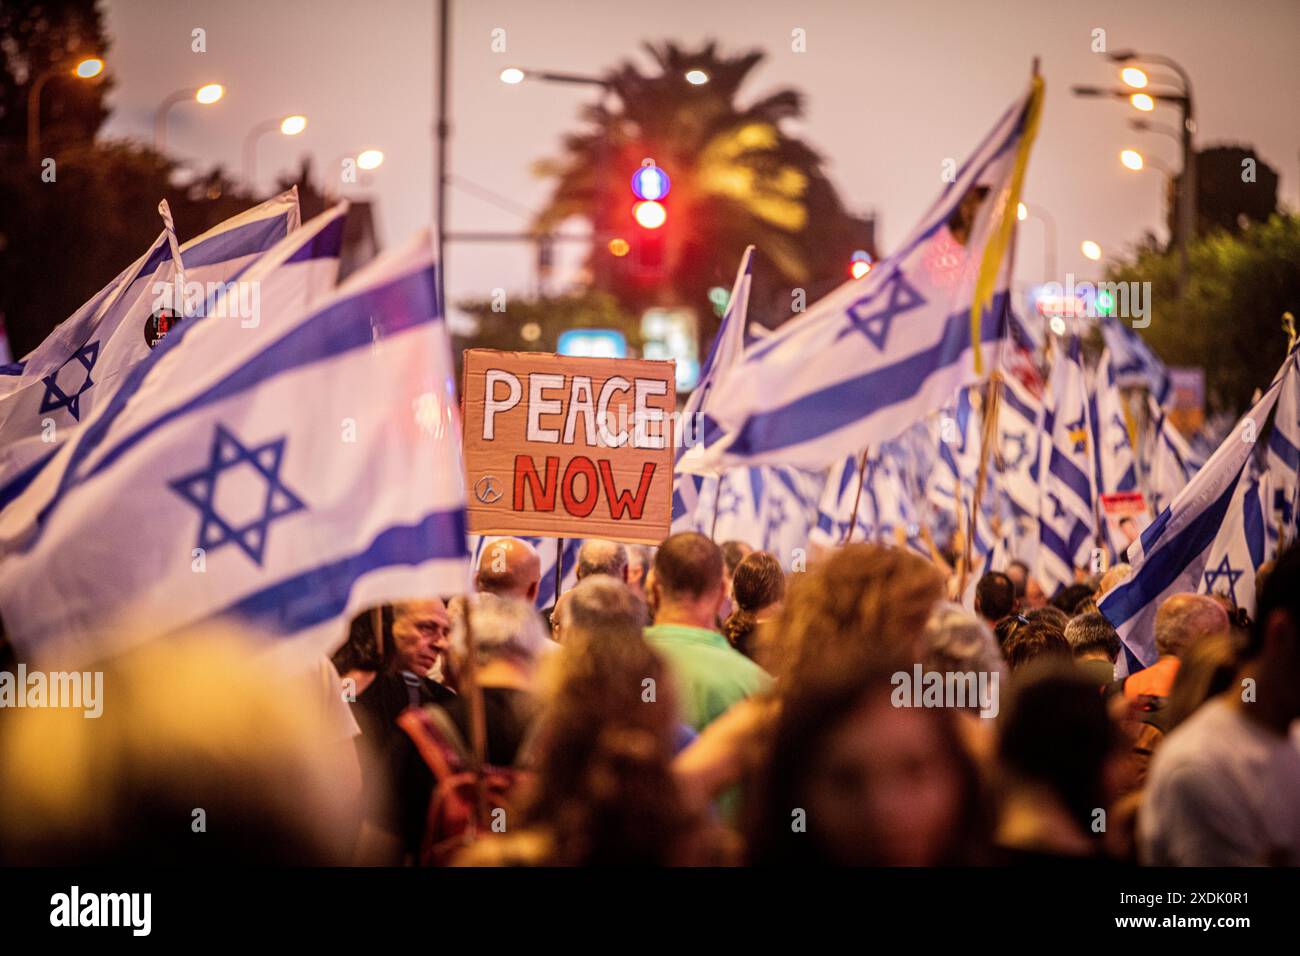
pixel 650 186
pixel 859 264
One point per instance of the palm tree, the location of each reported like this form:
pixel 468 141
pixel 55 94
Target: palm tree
pixel 737 178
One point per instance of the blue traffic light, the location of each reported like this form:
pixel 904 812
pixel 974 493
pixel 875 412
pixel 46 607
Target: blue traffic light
pixel 650 183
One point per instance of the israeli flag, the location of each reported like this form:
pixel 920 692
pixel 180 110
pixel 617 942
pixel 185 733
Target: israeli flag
pixel 886 512
pixel 548 552
pixel 1114 465
pixel 1283 464
pixel 1241 545
pixel 1135 364
pixel 291 276
pixel 281 477
pixel 884 351
pixel 1020 422
pixel 1174 552
pixel 727 347
pixel 1170 461
pixel 84 361
pixel 1067 491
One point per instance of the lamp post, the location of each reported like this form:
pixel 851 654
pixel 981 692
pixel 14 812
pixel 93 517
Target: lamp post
pixel 1146 99
pixel 86 69
pixel 290 125
pixel 204 96
pixel 1026 211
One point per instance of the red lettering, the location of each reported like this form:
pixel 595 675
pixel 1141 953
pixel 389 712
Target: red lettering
pixel 580 465
pixel 625 501
pixel 526 477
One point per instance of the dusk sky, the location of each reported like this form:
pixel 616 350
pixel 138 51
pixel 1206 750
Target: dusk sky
pixel 892 89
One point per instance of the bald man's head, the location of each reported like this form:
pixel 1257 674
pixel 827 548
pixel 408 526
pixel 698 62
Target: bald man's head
pixel 598 556
pixel 1184 619
pixel 509 568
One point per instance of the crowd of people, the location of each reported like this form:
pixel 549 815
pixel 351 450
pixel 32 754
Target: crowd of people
pixel 696 704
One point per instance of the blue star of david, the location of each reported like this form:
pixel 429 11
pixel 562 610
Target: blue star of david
pixel 1224 570
pixel 1058 510
pixel 1121 440
pixel 1282 504
pixel 725 493
pixel 55 397
pixel 1021 442
pixel 775 519
pixel 1077 434
pixel 199 489
pixel 903 297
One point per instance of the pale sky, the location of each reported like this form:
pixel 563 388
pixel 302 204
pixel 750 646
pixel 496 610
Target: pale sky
pixel 892 89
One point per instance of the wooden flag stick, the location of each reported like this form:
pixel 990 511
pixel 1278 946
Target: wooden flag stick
pixel 717 494
pixel 559 568
pixel 857 499
pixel 987 435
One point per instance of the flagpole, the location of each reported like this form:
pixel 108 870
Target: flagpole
pixel 991 397
pixel 559 568
pixel 857 499
pixel 717 493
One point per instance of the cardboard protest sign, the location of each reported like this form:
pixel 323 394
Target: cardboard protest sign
pixel 569 447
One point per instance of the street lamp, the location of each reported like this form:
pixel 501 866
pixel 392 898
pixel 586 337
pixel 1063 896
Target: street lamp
pixel 1187 192
pixel 1131 159
pixel 290 125
pixel 369 159
pixel 1090 249
pixel 204 96
pixel 1025 211
pixel 86 69
pixel 514 75
pixel 696 77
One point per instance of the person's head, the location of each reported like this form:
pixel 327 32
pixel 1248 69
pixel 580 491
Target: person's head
pixel 757 588
pixel 733 552
pixel 605 791
pixel 1035 597
pixel 863 604
pixel 1018 572
pixel 995 596
pixel 505 630
pixel 1184 619
pixel 1207 668
pixel 688 586
pixel 1091 637
pixel 1032 641
pixel 1052 615
pixel 598 556
pixel 955 641
pixel 600 603
pixel 421 634
pixel 1273 651
pixel 509 568
pixel 1069 598
pixel 879 784
pixel 639 559
pixel 1115 575
pixel 207 720
pixel 363 650
pixel 1128 527
pixel 1055 733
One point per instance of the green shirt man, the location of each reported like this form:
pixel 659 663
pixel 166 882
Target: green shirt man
pixel 709 673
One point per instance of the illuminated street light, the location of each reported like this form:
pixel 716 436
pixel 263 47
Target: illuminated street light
pixel 89 68
pixel 205 96
pixel 650 214
pixel 290 125
pixel 1022 211
pixel 512 75
pixel 1090 249
pixel 696 77
pixel 1131 159
pixel 1143 102
pixel 86 69
pixel 1134 77
pixel 370 159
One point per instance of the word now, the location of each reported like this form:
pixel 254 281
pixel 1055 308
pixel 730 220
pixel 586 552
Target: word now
pixel 529 483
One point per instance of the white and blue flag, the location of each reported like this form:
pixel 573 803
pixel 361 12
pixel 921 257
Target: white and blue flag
pixel 1173 555
pixel 1283 464
pixel 1135 364
pixel 1020 422
pixel 281 477
pixel 1170 461
pixel 1067 491
pixel 883 351
pixel 85 359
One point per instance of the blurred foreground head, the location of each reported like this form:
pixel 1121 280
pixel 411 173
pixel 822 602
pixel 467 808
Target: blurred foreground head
pixel 862 607
pixel 203 754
